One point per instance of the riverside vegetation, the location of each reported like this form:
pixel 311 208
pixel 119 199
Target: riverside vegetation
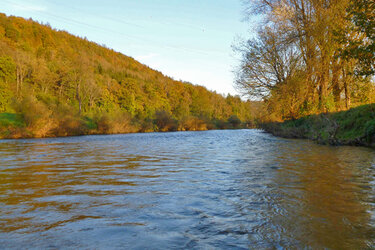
pixel 354 127
pixel 56 84
pixel 309 62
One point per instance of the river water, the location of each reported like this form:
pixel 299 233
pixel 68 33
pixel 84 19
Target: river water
pixel 202 190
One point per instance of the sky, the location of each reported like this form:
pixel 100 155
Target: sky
pixel 189 40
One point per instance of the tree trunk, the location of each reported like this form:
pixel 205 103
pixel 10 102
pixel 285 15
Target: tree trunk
pixel 347 94
pixel 79 98
pixel 18 80
pixel 323 82
pixel 323 93
pixel 336 87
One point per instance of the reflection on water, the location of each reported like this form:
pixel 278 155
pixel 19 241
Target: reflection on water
pixel 214 189
pixel 321 196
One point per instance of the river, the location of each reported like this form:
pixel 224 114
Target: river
pixel 240 189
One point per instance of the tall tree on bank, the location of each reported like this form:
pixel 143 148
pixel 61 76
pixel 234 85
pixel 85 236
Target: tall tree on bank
pixel 294 62
pixel 359 38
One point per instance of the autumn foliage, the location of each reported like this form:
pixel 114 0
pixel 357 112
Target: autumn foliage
pixel 58 84
pixel 309 56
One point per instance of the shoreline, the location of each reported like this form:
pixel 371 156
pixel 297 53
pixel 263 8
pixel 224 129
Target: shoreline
pixel 354 127
pixel 127 133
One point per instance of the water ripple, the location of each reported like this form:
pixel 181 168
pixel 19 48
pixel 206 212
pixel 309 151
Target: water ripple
pixel 215 189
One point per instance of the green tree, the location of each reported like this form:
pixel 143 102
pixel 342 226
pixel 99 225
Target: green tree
pixel 7 69
pixel 7 72
pixel 360 36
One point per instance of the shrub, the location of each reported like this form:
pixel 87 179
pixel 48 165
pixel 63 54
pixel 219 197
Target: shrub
pixel 69 122
pixel 234 121
pixel 370 130
pixel 164 121
pixel 192 124
pixel 37 117
pixel 114 123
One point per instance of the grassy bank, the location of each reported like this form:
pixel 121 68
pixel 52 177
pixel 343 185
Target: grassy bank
pixel 353 127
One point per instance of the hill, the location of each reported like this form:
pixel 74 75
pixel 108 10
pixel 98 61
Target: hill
pixel 55 84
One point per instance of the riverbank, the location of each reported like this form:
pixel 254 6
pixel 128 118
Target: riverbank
pixel 355 127
pixel 20 126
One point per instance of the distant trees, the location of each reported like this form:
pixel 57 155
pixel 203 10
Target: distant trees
pixel 7 72
pixel 73 86
pixel 295 63
pixel 7 69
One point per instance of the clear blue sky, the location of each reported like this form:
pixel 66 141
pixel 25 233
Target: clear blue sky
pixel 185 39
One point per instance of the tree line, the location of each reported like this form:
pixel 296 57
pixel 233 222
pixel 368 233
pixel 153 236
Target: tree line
pixel 60 84
pixel 309 56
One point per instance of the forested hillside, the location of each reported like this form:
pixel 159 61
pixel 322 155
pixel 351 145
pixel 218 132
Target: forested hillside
pixel 309 56
pixel 56 84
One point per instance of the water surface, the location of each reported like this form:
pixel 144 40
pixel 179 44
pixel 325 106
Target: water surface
pixel 205 190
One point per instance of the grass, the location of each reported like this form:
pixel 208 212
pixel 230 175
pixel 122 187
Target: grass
pixel 352 127
pixel 12 126
pixel 11 120
pixel 90 123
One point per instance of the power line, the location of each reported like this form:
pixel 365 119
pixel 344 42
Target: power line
pixel 134 38
pixel 96 15
pixel 130 23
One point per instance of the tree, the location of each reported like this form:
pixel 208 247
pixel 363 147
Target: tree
pixel 7 71
pixel 294 64
pixel 43 76
pixel 359 37
pixel 267 62
pixel 23 67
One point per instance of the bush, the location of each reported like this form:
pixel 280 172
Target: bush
pixel 192 124
pixel 234 121
pixel 164 121
pixel 147 125
pixel 114 123
pixel 37 117
pixel 69 122
pixel 370 130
